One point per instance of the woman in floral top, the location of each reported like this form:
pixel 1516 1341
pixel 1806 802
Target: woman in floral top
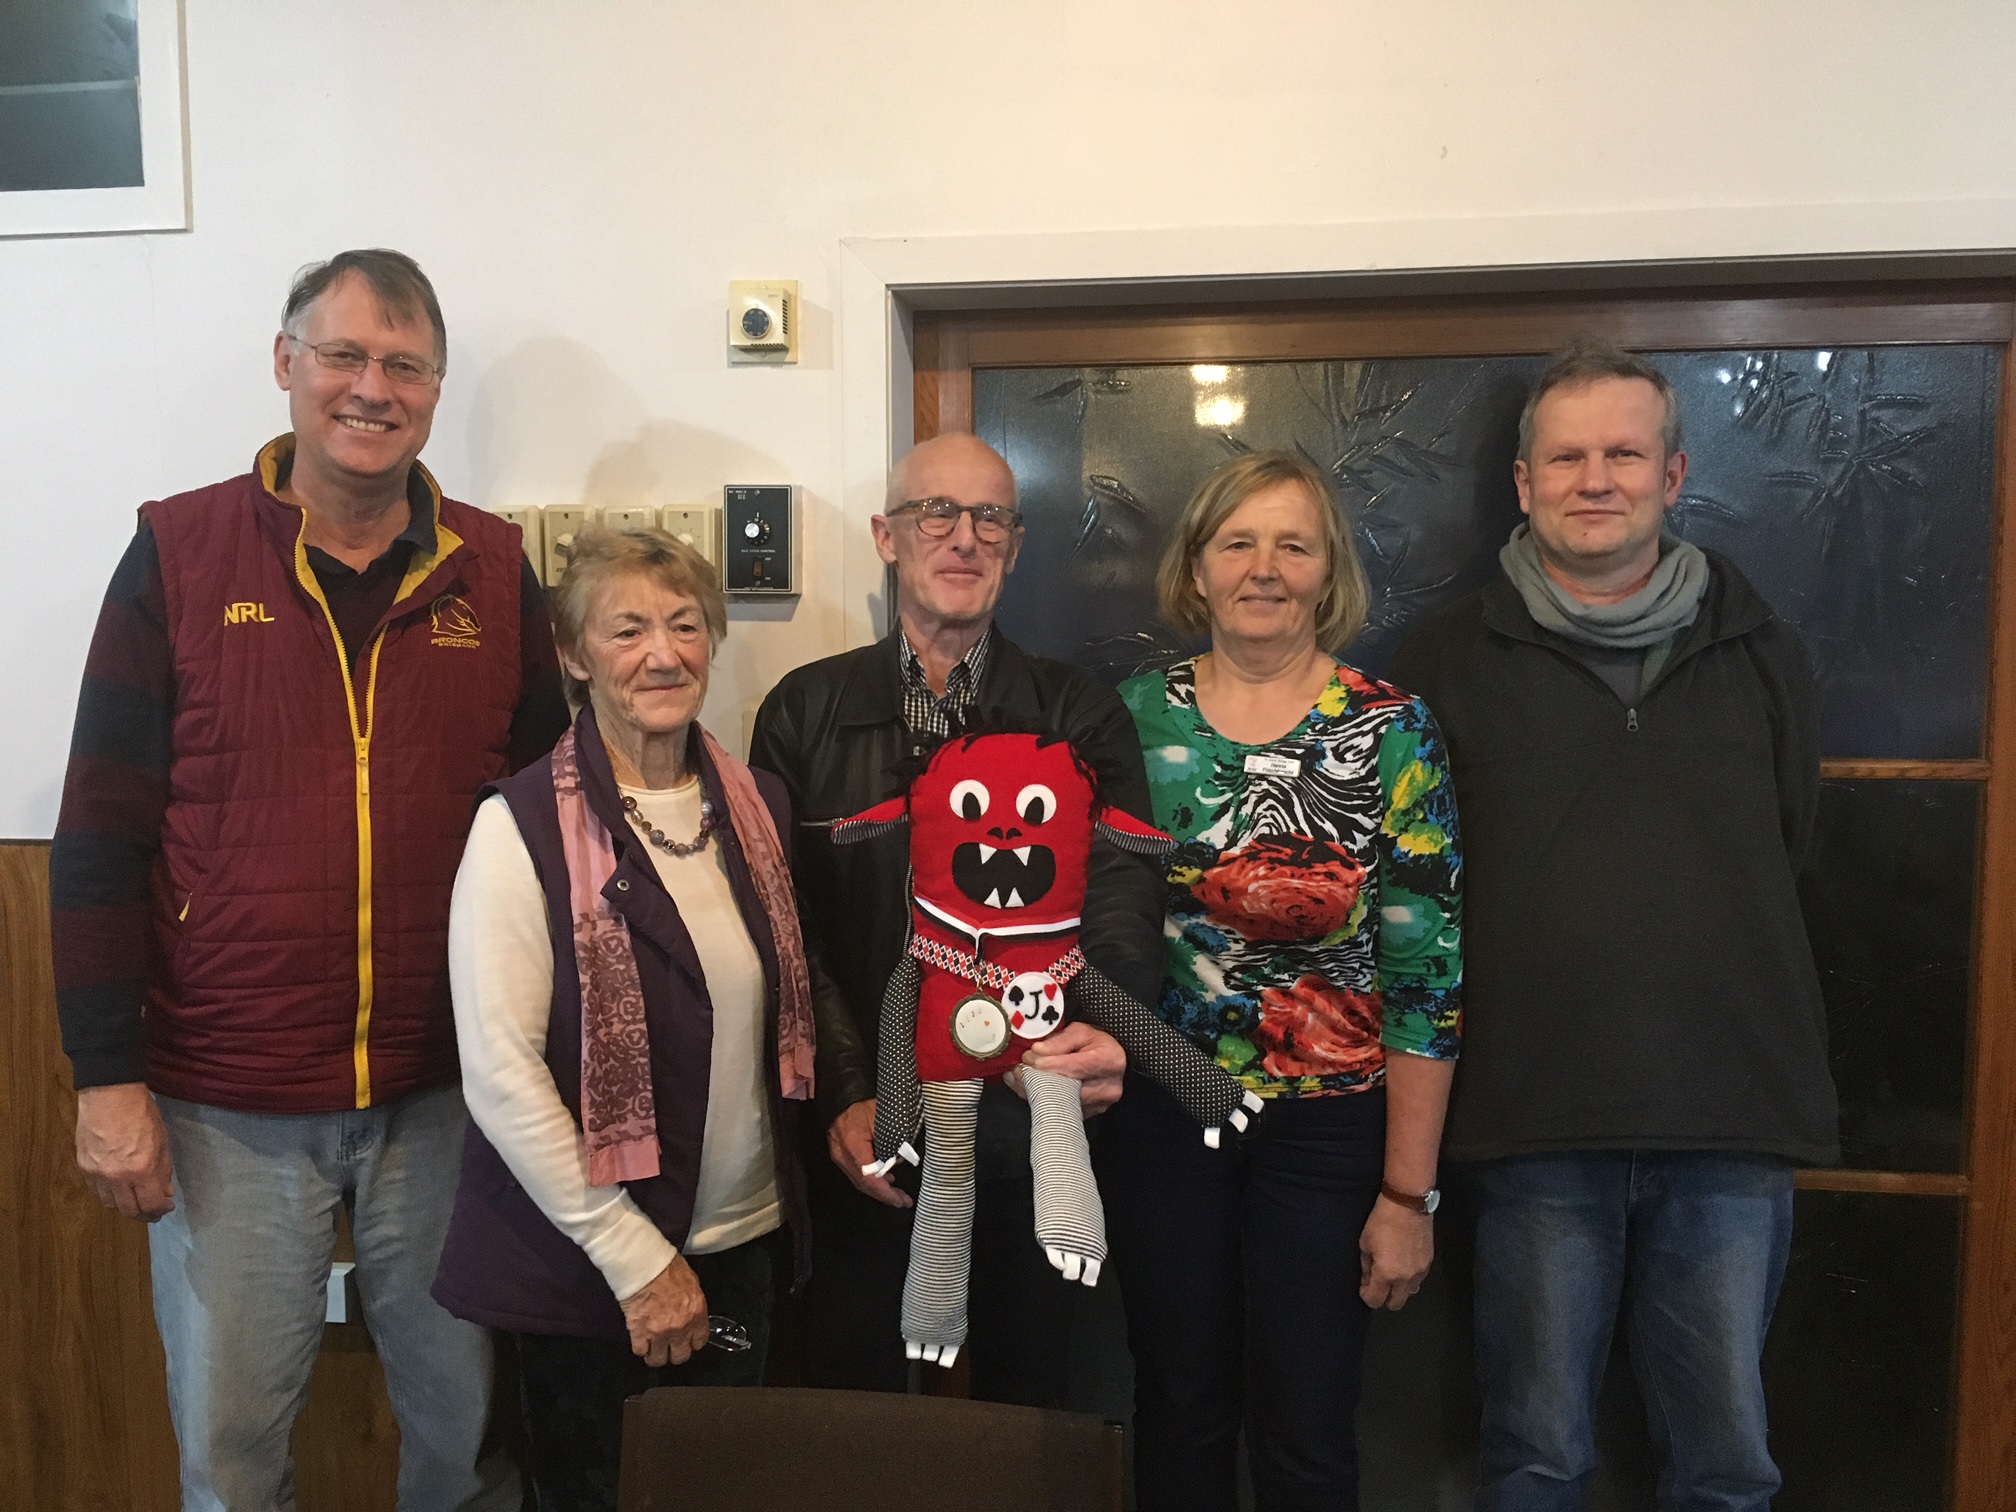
pixel 1313 928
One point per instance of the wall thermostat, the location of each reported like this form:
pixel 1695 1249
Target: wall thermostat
pixel 763 322
pixel 759 538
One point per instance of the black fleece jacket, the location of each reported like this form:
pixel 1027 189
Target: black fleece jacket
pixel 1636 972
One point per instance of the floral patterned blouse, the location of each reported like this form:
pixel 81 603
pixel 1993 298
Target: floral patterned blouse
pixel 1314 904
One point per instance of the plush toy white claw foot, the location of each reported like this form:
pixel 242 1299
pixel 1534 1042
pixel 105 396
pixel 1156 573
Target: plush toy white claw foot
pixel 1075 1267
pixel 883 1167
pixel 941 1355
pixel 1240 1118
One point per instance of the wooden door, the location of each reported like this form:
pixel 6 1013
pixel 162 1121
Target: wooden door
pixel 1851 452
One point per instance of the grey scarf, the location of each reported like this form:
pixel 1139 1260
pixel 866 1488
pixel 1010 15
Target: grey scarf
pixel 1662 608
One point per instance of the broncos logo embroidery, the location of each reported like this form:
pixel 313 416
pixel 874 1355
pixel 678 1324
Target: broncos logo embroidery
pixel 455 623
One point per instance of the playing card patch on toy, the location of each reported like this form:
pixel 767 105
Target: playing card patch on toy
pixel 1035 1004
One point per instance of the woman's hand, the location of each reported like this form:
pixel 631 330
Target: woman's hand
pixel 1397 1244
pixel 668 1318
pixel 1395 1249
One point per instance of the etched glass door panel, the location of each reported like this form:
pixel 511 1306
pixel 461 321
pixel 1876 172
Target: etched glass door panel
pixel 1854 488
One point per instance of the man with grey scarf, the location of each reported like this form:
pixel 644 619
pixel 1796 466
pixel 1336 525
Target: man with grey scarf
pixel 1633 741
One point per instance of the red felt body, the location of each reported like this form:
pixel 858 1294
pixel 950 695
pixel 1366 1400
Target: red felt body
pixel 938 1058
pixel 1007 794
pixel 1001 829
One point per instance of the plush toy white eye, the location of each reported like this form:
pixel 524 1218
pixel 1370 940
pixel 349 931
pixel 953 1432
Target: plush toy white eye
pixel 969 799
pixel 1035 803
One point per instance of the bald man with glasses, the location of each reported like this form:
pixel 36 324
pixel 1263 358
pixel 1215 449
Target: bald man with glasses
pixel 834 731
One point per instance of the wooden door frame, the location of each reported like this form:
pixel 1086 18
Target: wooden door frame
pixel 949 344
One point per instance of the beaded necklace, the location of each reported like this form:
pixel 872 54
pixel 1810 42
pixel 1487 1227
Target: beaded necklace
pixel 658 837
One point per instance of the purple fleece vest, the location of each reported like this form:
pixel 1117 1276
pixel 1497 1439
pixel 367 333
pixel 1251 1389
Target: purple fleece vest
pixel 504 1264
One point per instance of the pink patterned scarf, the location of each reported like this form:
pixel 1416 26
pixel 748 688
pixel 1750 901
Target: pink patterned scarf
pixel 619 1116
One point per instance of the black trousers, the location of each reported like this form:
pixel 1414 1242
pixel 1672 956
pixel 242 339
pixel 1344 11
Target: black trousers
pixel 574 1388
pixel 1019 1308
pixel 1239 1268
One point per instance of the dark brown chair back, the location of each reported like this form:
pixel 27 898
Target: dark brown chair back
pixel 709 1449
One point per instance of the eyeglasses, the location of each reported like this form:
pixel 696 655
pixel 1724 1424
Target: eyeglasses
pixel 343 357
pixel 727 1335
pixel 992 523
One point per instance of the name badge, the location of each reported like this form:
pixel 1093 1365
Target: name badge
pixel 1265 764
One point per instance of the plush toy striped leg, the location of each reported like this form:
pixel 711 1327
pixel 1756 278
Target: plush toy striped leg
pixel 899 1107
pixel 1211 1094
pixel 941 1239
pixel 1070 1222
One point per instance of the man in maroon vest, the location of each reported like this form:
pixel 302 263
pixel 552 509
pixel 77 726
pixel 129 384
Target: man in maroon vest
pixel 299 680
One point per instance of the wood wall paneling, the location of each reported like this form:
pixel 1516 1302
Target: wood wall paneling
pixel 84 1421
pixel 84 1413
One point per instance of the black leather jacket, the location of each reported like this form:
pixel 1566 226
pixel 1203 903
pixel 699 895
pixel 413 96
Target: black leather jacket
pixel 834 732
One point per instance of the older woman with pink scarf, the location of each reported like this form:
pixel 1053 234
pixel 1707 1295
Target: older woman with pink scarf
pixel 635 1020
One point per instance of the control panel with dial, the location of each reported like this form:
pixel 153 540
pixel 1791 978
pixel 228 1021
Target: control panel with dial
pixel 760 526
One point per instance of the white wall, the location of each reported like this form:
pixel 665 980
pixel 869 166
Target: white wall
pixel 582 180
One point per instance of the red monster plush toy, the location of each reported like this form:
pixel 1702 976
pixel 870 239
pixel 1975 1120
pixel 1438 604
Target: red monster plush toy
pixel 1002 825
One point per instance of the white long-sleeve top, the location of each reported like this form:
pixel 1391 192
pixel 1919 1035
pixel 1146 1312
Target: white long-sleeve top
pixel 500 967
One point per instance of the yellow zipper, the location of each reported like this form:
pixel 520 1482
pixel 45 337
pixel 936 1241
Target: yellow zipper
pixel 360 740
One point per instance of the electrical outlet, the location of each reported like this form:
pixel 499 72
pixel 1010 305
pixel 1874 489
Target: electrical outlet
pixel 526 518
pixel 641 517
pixel 699 527
pixel 563 522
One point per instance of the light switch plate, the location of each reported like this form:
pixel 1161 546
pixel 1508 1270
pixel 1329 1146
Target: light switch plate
pixel 526 518
pixel 699 527
pixel 563 522
pixel 637 517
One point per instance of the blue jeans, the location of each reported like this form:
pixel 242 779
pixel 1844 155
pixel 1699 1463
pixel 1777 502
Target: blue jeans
pixel 1692 1245
pixel 241 1273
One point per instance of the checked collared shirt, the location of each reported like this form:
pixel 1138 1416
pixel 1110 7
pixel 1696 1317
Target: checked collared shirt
pixel 924 711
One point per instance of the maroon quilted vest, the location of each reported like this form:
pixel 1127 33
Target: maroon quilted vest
pixel 316 816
